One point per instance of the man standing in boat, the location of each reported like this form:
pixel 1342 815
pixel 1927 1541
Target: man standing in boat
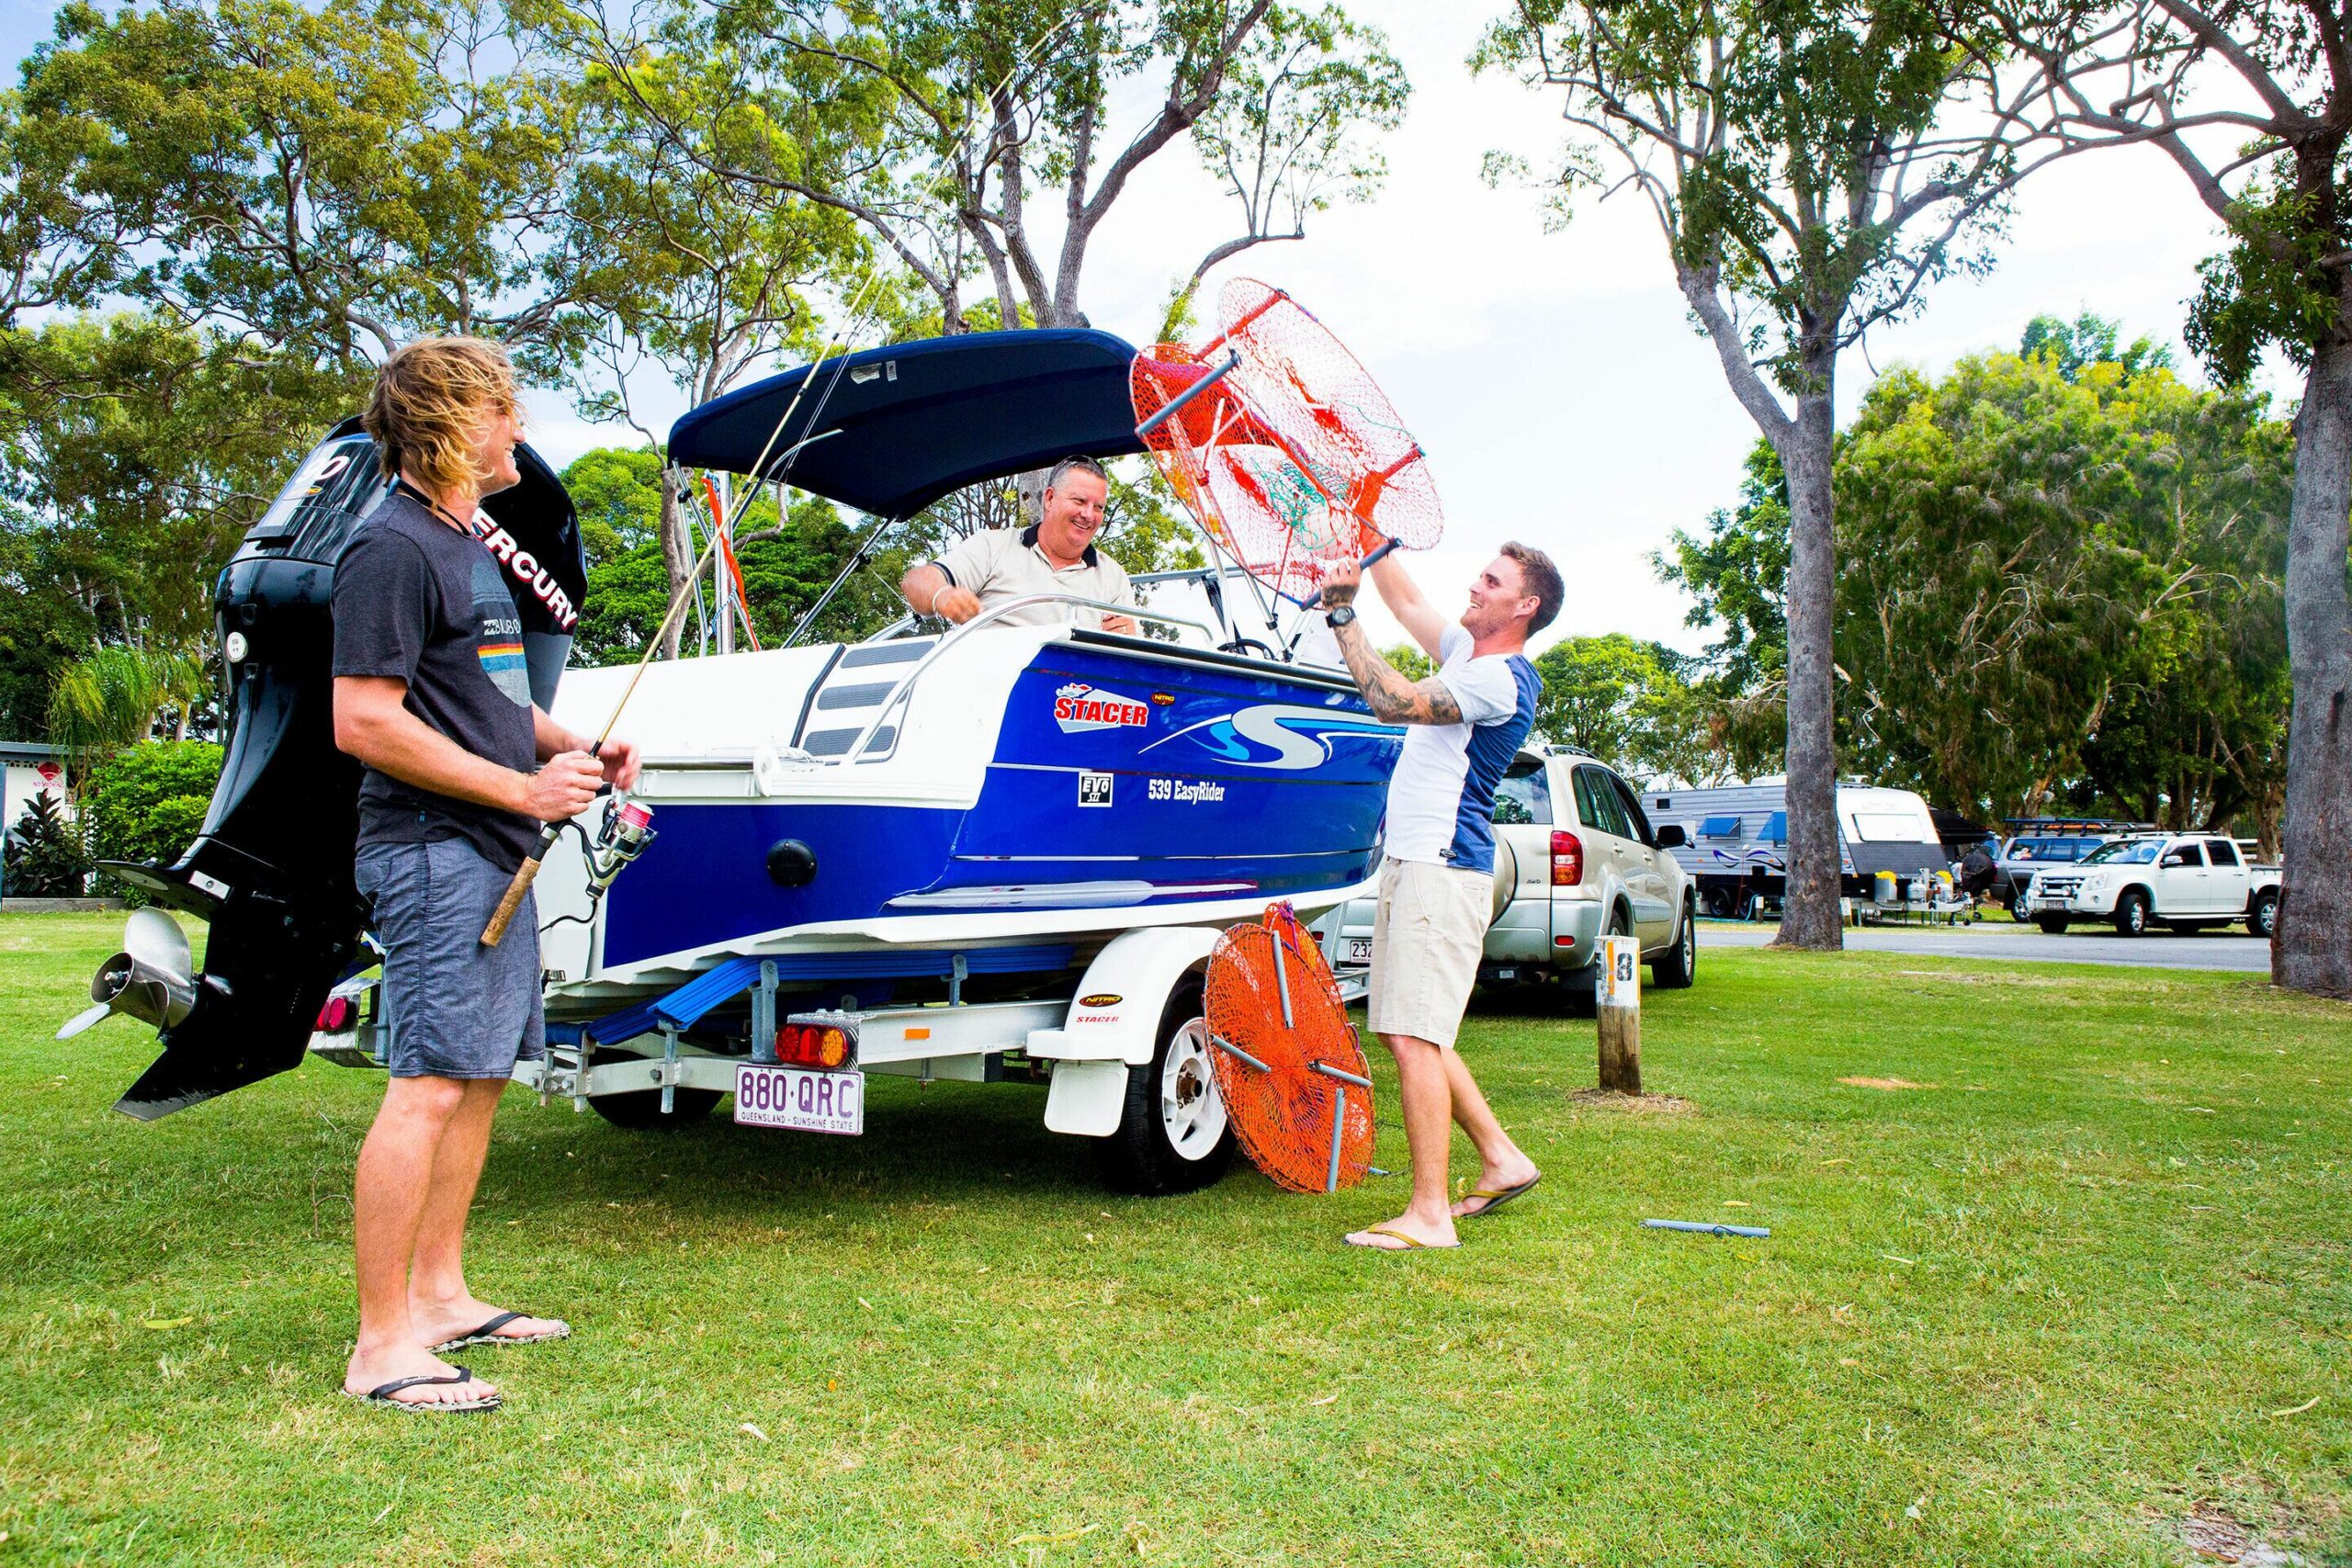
pixel 432 694
pixel 1055 556
pixel 1465 725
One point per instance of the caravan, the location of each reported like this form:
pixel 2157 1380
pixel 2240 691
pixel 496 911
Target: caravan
pixel 1737 841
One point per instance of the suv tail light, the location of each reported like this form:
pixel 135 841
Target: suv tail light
pixel 1568 860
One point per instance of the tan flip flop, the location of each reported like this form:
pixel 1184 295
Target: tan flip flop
pixel 1412 1244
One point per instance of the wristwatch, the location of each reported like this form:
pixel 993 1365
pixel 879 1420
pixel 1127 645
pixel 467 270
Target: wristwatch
pixel 1338 615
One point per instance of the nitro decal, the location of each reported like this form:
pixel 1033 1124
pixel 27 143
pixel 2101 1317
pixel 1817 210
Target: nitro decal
pixel 1093 789
pixel 1079 706
pixel 1184 792
pixel 526 570
pixel 1280 736
pixel 1101 999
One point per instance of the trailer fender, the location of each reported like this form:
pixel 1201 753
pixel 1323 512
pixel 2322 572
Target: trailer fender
pixel 1115 1015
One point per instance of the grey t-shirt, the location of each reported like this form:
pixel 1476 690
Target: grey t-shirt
pixel 419 601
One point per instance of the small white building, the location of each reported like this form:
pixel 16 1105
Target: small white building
pixel 33 768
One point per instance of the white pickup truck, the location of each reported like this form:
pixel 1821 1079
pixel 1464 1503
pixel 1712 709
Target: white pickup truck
pixel 2182 881
pixel 1575 860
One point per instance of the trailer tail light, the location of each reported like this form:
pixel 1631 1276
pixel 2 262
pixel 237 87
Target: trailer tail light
pixel 816 1041
pixel 1568 860
pixel 339 1014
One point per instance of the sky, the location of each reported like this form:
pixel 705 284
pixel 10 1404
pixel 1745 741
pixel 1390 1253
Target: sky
pixel 1554 379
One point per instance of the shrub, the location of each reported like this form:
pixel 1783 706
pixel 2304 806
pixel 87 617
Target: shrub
pixel 147 802
pixel 46 859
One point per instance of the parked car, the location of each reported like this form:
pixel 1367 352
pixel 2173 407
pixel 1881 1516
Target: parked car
pixel 2185 881
pixel 1576 859
pixel 2040 841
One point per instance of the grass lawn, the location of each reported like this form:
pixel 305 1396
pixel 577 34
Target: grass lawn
pixel 2090 1278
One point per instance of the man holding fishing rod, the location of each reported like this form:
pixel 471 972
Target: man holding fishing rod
pixel 431 692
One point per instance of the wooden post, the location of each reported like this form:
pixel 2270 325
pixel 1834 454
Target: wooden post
pixel 1619 993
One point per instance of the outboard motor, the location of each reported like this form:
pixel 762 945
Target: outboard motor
pixel 272 869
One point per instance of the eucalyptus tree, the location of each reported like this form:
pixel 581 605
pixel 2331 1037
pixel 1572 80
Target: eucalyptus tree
pixel 325 179
pixel 1814 166
pixel 2252 101
pixel 704 277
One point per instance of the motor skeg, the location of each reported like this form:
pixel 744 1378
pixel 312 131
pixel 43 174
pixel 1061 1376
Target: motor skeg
pixel 271 871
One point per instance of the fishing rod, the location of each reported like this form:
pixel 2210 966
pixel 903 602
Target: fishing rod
pixel 527 872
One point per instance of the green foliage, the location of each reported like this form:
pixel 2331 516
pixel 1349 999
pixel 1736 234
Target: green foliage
pixel 1630 704
pixel 2280 281
pixel 1409 660
pixel 2061 588
pixel 618 492
pixel 2090 340
pixel 147 802
pixel 112 698
pixel 45 855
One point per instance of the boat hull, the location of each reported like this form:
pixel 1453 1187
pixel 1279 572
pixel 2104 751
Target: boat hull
pixel 1127 782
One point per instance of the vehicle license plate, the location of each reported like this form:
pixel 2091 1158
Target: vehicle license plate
pixel 1359 950
pixel 801 1098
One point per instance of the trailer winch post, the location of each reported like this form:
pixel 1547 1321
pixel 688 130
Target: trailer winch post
pixel 763 1016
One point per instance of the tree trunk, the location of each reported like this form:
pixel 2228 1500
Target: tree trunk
pixel 1809 911
pixel 2312 950
pixel 677 555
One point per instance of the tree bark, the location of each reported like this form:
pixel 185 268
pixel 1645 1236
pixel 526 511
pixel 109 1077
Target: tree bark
pixel 1809 909
pixel 677 555
pixel 2312 949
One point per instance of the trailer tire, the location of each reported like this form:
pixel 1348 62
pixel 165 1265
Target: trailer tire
pixel 2262 915
pixel 640 1110
pixel 1173 1136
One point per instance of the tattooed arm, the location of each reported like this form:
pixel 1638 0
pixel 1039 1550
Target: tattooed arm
pixel 1394 699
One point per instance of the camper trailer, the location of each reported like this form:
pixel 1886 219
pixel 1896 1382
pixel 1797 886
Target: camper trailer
pixel 1737 843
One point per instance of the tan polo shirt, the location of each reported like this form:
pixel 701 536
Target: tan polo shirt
pixel 999 564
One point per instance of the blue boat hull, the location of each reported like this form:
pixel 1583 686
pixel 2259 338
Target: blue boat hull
pixel 1117 780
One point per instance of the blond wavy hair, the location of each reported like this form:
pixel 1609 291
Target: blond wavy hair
pixel 431 400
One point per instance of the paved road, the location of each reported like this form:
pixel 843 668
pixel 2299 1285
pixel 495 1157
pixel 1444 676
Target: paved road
pixel 1999 938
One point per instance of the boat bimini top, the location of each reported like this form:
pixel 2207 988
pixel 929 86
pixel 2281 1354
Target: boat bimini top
pixel 889 431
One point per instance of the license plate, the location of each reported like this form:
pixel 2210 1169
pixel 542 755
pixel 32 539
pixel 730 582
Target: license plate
pixel 1359 950
pixel 800 1098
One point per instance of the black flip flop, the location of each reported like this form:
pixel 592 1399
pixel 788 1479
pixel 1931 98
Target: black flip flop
pixel 487 1334
pixel 382 1394
pixel 1497 1200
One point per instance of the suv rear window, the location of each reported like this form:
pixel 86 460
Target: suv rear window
pixel 1523 799
pixel 1597 804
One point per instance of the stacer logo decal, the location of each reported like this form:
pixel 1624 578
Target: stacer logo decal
pixel 1080 707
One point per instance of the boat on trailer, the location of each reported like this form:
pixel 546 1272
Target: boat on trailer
pixel 988 852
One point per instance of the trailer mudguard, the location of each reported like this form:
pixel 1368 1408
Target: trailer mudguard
pixel 1113 1024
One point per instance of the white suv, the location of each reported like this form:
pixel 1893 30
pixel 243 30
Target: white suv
pixel 1576 859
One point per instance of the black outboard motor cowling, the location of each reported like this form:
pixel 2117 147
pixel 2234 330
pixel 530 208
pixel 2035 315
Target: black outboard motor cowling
pixel 272 869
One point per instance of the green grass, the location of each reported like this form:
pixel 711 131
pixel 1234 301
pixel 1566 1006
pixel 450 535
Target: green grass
pixel 2036 1312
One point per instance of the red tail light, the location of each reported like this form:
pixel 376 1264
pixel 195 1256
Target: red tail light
pixel 1568 860
pixel 812 1045
pixel 338 1015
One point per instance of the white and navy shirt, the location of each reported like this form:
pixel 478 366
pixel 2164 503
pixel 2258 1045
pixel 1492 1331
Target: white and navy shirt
pixel 1442 799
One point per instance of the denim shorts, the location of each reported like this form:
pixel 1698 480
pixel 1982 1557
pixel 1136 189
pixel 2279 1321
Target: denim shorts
pixel 455 1008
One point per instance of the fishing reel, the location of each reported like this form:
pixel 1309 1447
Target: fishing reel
pixel 627 833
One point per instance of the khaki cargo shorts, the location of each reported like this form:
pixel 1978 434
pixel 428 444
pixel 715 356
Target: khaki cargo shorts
pixel 1425 945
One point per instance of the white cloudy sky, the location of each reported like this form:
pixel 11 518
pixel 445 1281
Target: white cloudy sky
pixel 1553 378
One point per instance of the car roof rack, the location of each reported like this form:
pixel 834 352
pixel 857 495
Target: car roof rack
pixel 2077 825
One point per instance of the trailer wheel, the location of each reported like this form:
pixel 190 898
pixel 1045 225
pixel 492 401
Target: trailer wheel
pixel 2262 916
pixel 641 1109
pixel 1173 1135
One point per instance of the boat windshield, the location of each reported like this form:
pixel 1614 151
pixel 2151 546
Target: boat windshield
pixel 2125 851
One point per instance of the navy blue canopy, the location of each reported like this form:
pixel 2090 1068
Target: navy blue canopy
pixel 902 426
